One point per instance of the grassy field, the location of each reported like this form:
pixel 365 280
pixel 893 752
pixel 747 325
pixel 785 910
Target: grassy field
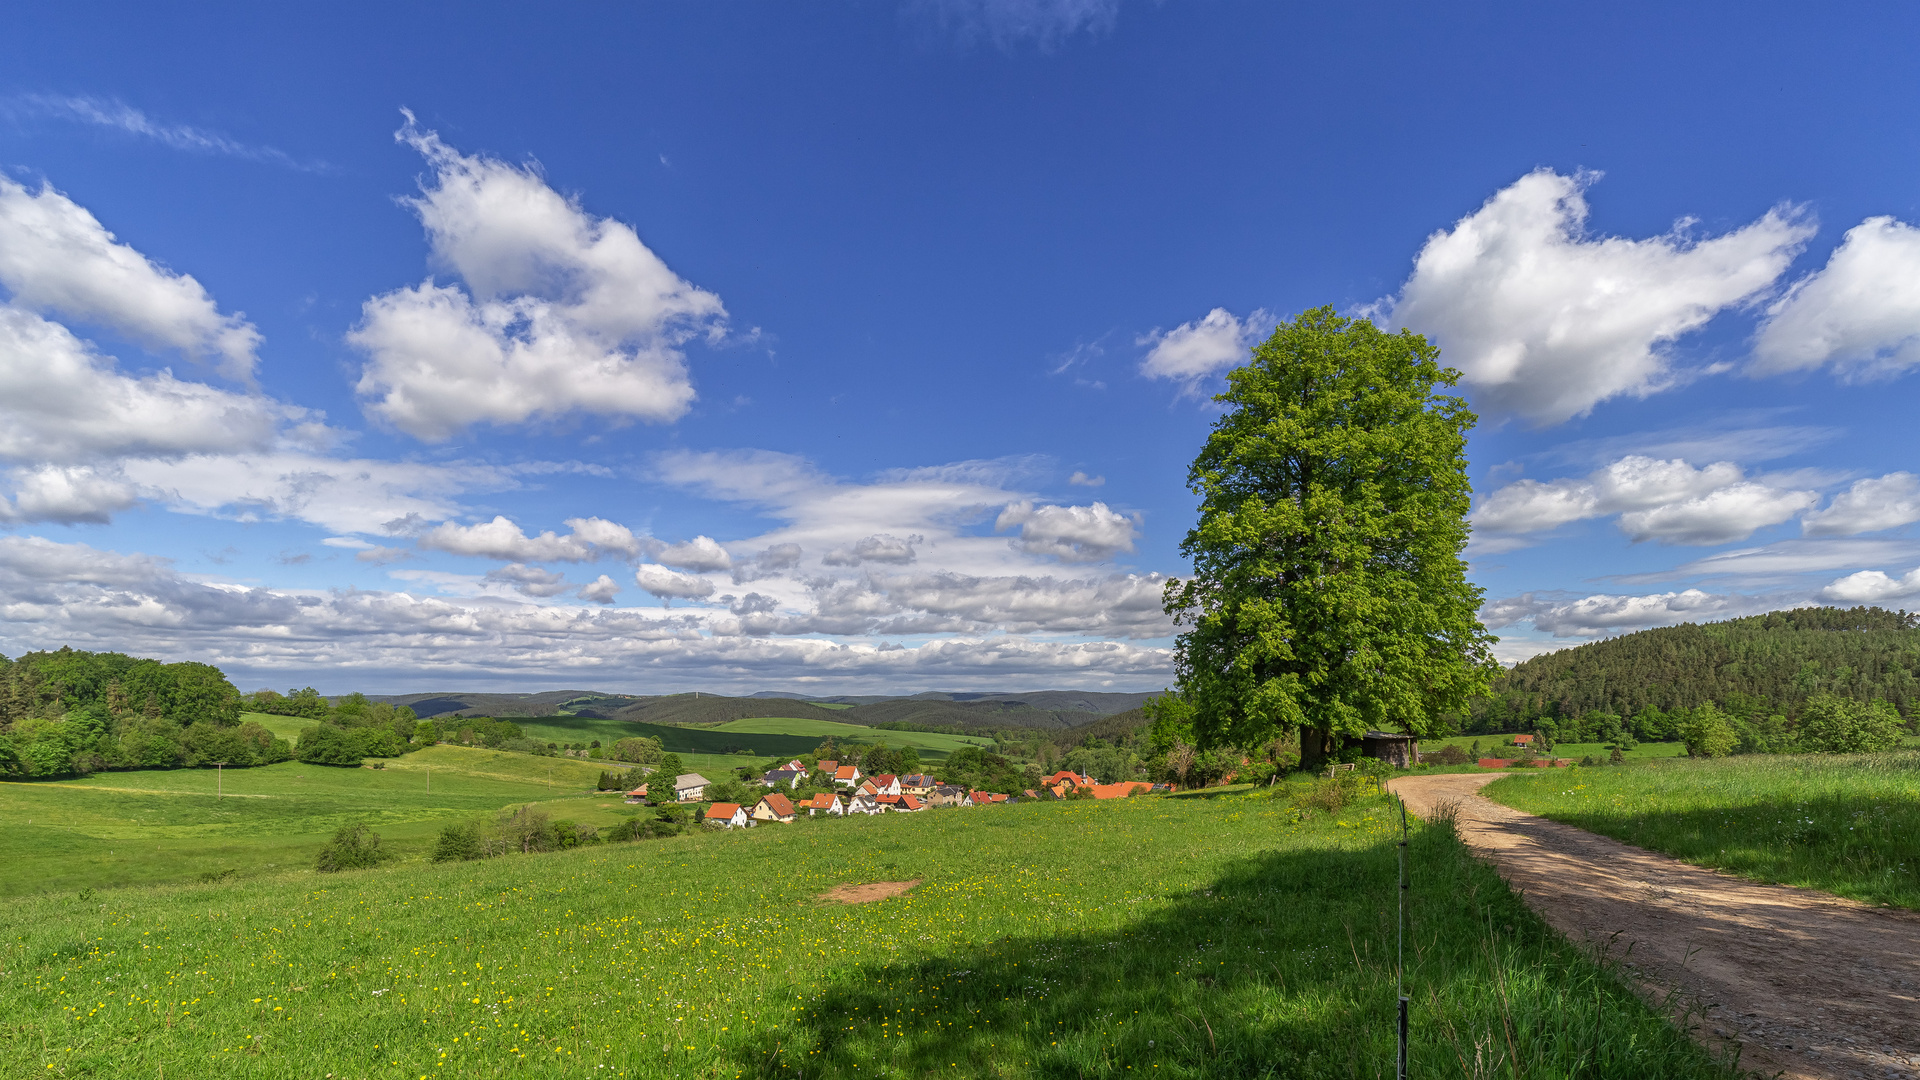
pixel 1217 937
pixel 1494 746
pixel 1848 825
pixel 119 828
pixel 765 736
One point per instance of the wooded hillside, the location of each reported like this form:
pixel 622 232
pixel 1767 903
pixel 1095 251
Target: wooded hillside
pixel 1770 663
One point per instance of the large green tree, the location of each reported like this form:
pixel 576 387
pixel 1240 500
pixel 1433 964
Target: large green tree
pixel 1328 595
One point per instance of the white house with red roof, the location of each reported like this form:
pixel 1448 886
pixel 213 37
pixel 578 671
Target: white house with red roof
pixel 847 775
pixel 888 784
pixel 730 815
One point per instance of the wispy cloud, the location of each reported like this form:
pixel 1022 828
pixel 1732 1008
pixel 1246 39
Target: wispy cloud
pixel 1010 23
pixel 119 116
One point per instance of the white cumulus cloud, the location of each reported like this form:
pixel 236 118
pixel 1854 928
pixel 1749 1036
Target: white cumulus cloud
pixel 700 554
pixel 1589 616
pixel 879 548
pixel 1860 313
pixel 1871 587
pixel 56 257
pixel 591 539
pixel 1069 533
pixel 1869 505
pixel 530 580
pixel 68 494
pixel 601 590
pixel 1192 351
pixel 62 402
pixel 670 585
pixel 1666 500
pixel 561 312
pixel 1545 321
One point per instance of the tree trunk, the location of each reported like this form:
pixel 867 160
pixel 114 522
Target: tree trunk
pixel 1315 745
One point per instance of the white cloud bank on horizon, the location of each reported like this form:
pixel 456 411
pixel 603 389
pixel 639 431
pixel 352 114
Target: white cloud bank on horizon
pixel 1545 322
pixel 76 594
pixel 561 313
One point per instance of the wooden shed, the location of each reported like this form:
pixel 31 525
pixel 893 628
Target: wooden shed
pixel 1400 751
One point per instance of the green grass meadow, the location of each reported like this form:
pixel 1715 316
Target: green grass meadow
pixel 1848 825
pixel 1232 936
pixel 123 828
pixel 1493 746
pixel 765 736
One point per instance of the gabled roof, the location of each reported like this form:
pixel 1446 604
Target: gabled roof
pixel 779 804
pixel 780 774
pixel 1120 790
pixel 886 779
pixel 794 766
pixel 846 772
pixel 825 800
pixel 721 811
pixel 1066 774
pixel 909 802
pixel 641 790
pixel 690 779
pixel 920 780
pixel 829 765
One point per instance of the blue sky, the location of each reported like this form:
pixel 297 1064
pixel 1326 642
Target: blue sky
pixel 863 347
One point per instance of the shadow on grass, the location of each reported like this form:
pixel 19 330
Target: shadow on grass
pixel 1864 847
pixel 1281 967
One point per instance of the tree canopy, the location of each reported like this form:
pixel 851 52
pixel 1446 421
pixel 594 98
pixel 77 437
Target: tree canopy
pixel 1328 594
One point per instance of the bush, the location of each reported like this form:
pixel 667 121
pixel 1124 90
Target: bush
pixel 1446 755
pixel 324 744
pixel 355 847
pixel 460 843
pixel 1708 733
pixel 1831 724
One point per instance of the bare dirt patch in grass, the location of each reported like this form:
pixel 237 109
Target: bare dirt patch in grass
pixel 868 893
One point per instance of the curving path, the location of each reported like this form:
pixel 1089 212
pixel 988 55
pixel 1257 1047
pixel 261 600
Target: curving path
pixel 1804 983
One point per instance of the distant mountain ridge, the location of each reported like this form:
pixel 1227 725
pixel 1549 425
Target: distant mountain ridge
pixel 1044 709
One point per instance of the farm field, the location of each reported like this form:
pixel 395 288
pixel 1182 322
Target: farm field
pixel 139 827
pixel 766 736
pixel 1220 937
pixel 1848 825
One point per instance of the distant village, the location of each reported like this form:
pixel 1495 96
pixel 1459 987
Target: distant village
pixel 855 793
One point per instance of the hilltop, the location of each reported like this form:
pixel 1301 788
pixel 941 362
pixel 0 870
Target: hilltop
pixel 1763 663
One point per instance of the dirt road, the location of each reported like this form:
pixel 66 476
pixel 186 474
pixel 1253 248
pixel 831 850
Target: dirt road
pixel 1806 984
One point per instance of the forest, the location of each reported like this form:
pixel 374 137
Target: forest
pixel 1755 668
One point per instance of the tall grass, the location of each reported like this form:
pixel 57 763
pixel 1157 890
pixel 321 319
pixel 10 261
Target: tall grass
pixel 1238 936
pixel 1845 824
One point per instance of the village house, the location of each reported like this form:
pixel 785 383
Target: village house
pixel 774 807
pixel 794 766
pixel 823 803
pixel 688 787
pixel 847 775
pixel 886 785
pixel 905 804
pixel 947 795
pixel 638 794
pixel 828 768
pixel 730 815
pixel 1068 776
pixel 867 788
pixel 787 778
pixel 918 785
pixel 865 804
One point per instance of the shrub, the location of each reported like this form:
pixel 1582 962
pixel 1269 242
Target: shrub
pixel 1831 724
pixel 324 744
pixel 354 847
pixel 459 842
pixel 1708 733
pixel 1447 755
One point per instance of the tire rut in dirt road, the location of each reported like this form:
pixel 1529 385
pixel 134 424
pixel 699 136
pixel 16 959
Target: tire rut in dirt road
pixel 1806 984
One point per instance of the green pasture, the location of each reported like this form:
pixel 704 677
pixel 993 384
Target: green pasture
pixel 122 828
pixel 1496 746
pixel 767 737
pixel 283 727
pixel 1231 936
pixel 1845 824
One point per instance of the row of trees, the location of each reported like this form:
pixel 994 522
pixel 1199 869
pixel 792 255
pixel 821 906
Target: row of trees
pixel 70 712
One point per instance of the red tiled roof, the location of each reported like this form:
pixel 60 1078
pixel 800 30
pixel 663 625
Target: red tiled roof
pixel 883 781
pixel 1522 740
pixel 721 811
pixel 909 802
pixel 779 804
pixel 1065 774
pixel 829 765
pixel 845 772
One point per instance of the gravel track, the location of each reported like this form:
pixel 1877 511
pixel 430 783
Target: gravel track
pixel 1805 984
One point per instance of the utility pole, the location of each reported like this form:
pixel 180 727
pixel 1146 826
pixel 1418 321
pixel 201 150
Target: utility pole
pixel 219 780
